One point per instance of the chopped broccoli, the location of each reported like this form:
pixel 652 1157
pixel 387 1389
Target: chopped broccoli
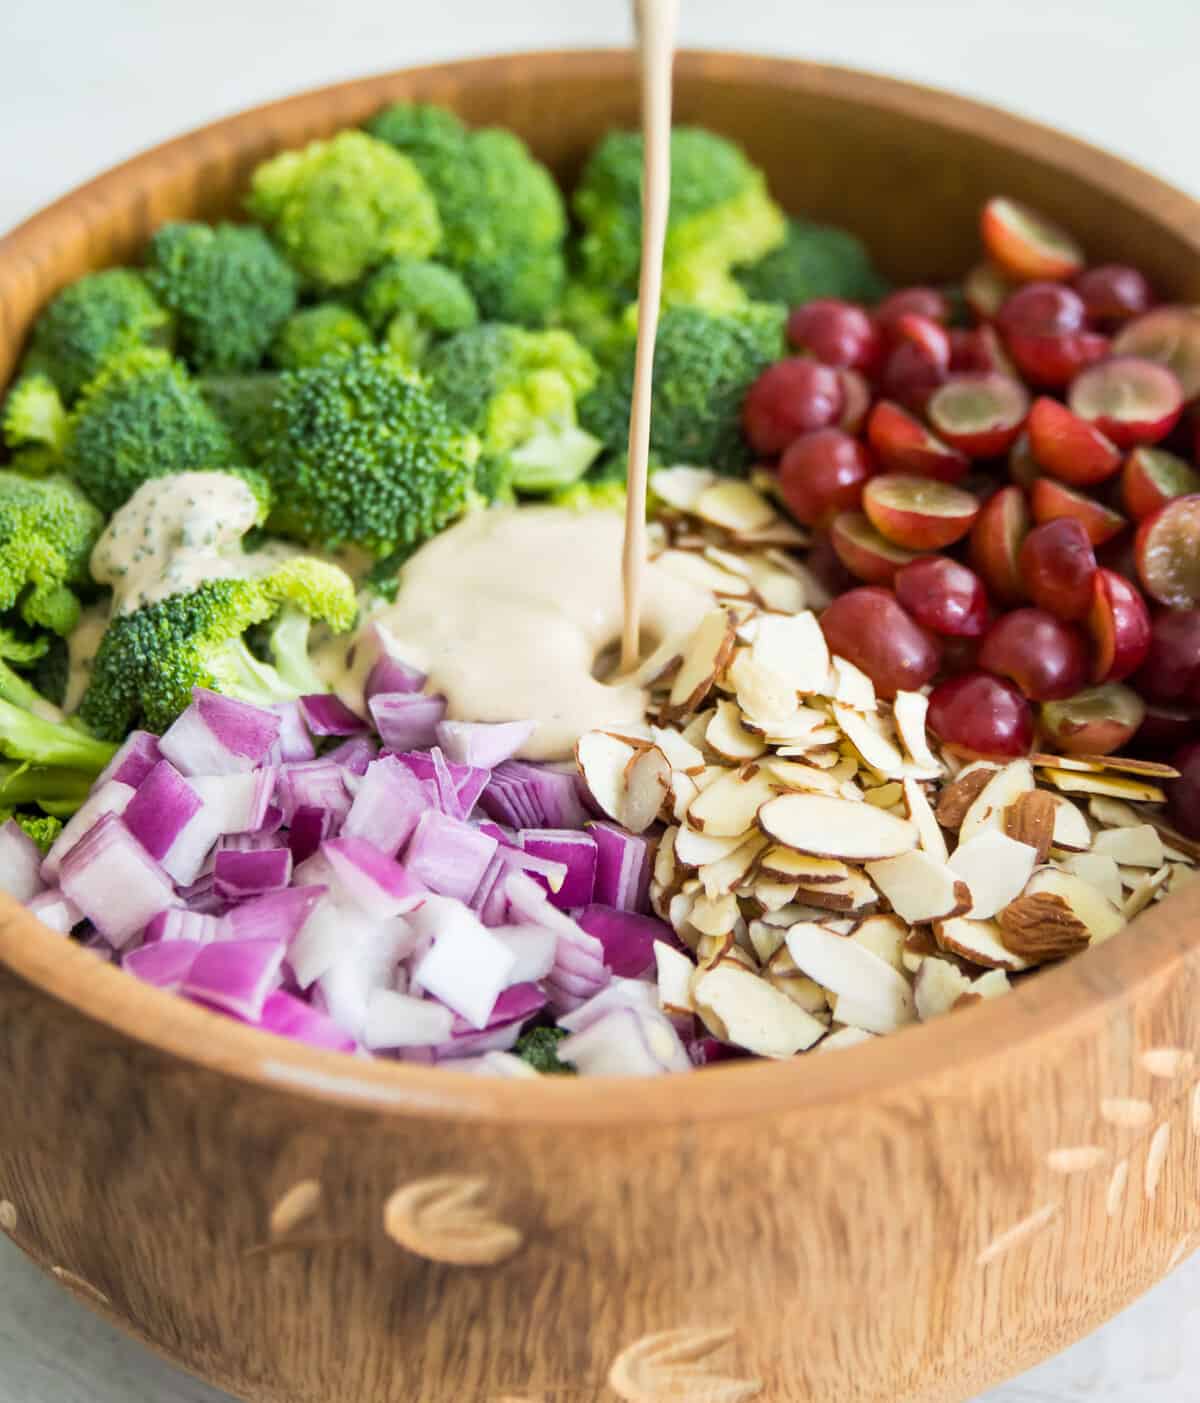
pixel 502 213
pixel 518 389
pixel 34 414
pixel 328 329
pixel 703 365
pixel 245 407
pixel 412 300
pixel 92 320
pixel 149 660
pixel 720 215
pixel 228 287
pixel 53 789
pixel 47 530
pixel 339 207
pixel 32 739
pixel 814 261
pixel 16 653
pixel 140 418
pixel 595 318
pixel 43 829
pixel 365 455
pixel 539 1047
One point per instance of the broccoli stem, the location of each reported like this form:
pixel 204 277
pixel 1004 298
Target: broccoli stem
pixel 57 791
pixel 24 736
pixel 15 689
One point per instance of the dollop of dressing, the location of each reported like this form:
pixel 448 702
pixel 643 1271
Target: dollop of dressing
pixel 508 610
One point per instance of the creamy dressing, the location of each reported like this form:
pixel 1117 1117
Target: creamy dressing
pixel 81 651
pixel 508 611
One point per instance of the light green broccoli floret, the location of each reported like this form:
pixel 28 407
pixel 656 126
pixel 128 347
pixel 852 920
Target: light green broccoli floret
pixel 502 214
pixel 328 329
pixel 47 530
pixel 412 301
pixel 228 287
pixel 517 389
pixel 34 415
pixel 89 322
pixel 140 418
pixel 720 216
pixel 815 260
pixel 339 207
pixel 539 1047
pixel 364 455
pixel 42 828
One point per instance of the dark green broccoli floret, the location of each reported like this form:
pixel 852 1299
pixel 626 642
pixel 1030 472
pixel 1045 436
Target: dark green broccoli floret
pixel 43 829
pixel 47 530
pixel 517 389
pixel 92 320
pixel 328 329
pixel 720 215
pixel 228 287
pixel 703 365
pixel 502 215
pixel 34 415
pixel 51 673
pixel 244 404
pixel 815 261
pixel 539 1047
pixel 149 660
pixel 140 418
pixel 339 207
pixel 366 456
pixel 411 300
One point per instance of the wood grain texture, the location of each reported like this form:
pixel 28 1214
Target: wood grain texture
pixel 904 1223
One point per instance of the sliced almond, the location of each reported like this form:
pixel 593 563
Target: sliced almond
pixel 697 728
pixel 683 790
pixel 772 895
pixel 844 1038
pixel 886 796
pixel 919 887
pixel 1144 892
pixel 1071 830
pixel 778 533
pixel 1099 764
pixel 995 869
pixel 682 487
pixel 714 915
pixel 1114 813
pixel 730 804
pixel 682 754
pixel 675 972
pixel 1030 820
pixel 979 942
pixel 695 849
pixel 741 1008
pixel 956 798
pixel 690 566
pixel 764 696
pixel 729 738
pixel 854 893
pixel 647 783
pixel 705 657
pixel 1100 872
pixel 938 987
pixel 782 973
pixel 827 827
pixel 870 993
pixel 719 878
pixel 991 985
pixel 729 560
pixel 765 940
pixel 851 686
pixel 734 506
pixel 1131 847
pixel 793 774
pixel 883 936
pixel 1003 789
pixel 1099 916
pixel 778 589
pixel 875 748
pixel 793 647
pixel 910 710
pixel 785 916
pixel 922 816
pixel 1114 786
pixel 679 913
pixel 787 865
pixel 602 760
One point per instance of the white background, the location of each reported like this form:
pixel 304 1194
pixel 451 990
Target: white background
pixel 88 82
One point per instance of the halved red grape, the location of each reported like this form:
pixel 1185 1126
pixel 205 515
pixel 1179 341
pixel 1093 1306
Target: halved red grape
pixel 870 628
pixel 863 551
pixel 980 414
pixel 1130 400
pixel 1025 244
pixel 790 398
pixel 1170 336
pixel 985 287
pixel 1058 565
pixel 1150 479
pixel 918 361
pixel 838 333
pixel 1067 446
pixel 1120 627
pixel 1183 794
pixel 943 596
pixel 856 401
pixel 821 474
pixel 1166 726
pixel 1042 309
pixel 981 715
pixel 920 301
pixel 1168 553
pixel 996 537
pixel 904 445
pixel 1045 657
pixel 979 351
pixel 1171 672
pixel 1113 293
pixel 1051 500
pixel 1098 721
pixel 1023 467
pixel 918 513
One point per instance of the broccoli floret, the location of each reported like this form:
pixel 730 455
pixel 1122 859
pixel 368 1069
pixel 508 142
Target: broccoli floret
pixel 47 530
pixel 43 829
pixel 35 462
pixel 814 261
pixel 595 318
pixel 365 455
pixel 703 365
pixel 228 287
pixel 92 320
pixel 720 215
pixel 410 301
pixel 328 329
pixel 16 652
pixel 51 673
pixel 517 389
pixel 140 418
pixel 34 415
pixel 149 660
pixel 245 407
pixel 502 214
pixel 539 1047
pixel 339 207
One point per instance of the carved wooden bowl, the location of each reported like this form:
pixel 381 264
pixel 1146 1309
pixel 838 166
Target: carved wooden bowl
pixel 912 1220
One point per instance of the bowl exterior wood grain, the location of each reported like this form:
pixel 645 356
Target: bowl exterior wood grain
pixel 905 1223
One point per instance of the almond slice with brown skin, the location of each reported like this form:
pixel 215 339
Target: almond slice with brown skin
pixel 787 865
pixel 910 710
pixel 728 560
pixel 854 893
pixel 730 804
pixel 979 942
pixel 884 936
pixel 956 798
pixel 741 1008
pixel 764 697
pixel 682 487
pixel 1131 847
pixel 719 878
pixel 827 827
pixel 793 774
pixel 772 895
pixel 682 754
pixel 765 939
pixel 1030 819
pixel 1115 786
pixel 704 659
pixel 647 784
pixel 1144 892
pixel 602 760
pixel 1100 764
pixel 714 915
pixel 1003 789
pixel 851 686
pixel 922 816
pixel 844 1038
pixel 777 589
pixel 675 972
pixel 1086 903
pixel 729 738
pixel 735 507
pixel 690 566
pixel 778 533
pixel 875 748
pixel 870 993
pixel 1099 872
pixel 695 849
pixel 919 887
pixel 995 869
pixel 1071 830
pixel 793 648
pixel 1114 813
pixel 938 987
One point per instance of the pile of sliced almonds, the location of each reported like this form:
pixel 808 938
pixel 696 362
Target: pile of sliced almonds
pixel 832 875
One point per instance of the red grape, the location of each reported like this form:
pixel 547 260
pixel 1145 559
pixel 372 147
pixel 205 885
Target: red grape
pixel 1167 546
pixel 870 628
pixel 1046 658
pixel 1025 243
pixel 982 715
pixel 1042 309
pixel 821 474
pixel 1170 336
pixel 1129 399
pixel 1171 672
pixel 943 596
pixel 1058 565
pixel 1113 293
pixel 790 398
pixel 836 332
pixel 1096 722
pixel 920 301
pixel 1120 627
pixel 918 362
pixel 1184 792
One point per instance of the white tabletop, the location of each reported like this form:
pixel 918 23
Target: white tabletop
pixel 87 84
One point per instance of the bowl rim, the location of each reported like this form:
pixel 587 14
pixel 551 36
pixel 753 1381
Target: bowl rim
pixel 1069 1000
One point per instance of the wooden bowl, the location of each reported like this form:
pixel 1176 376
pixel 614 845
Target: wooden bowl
pixel 912 1220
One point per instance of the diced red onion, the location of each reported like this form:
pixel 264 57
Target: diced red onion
pixel 399 1020
pixel 475 1044
pixel 490 902
pixel 236 975
pixel 371 880
pixel 387 806
pixel 628 938
pixel 533 796
pixel 637 994
pixel 114 881
pixel 328 715
pixel 443 782
pixel 481 743
pixel 576 851
pixel 111 797
pixel 201 896
pixel 164 963
pixel 623 865
pixel 241 874
pixel 289 1017
pixel 354 755
pixel 365 962
pixel 469 780
pixel 466 967
pixel 406 720
pixel 547 874
pixel 161 808
pixel 293 741
pixel 137 756
pixel 390 675
pixel 516 1004
pixel 310 827
pixel 534 948
pixel 625 1043
pixel 20 862
pixel 178 923
pixel 250 842
pixel 240 803
pixel 313 784
pixel 447 856
pixel 275 916
pixel 55 911
pixel 219 735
